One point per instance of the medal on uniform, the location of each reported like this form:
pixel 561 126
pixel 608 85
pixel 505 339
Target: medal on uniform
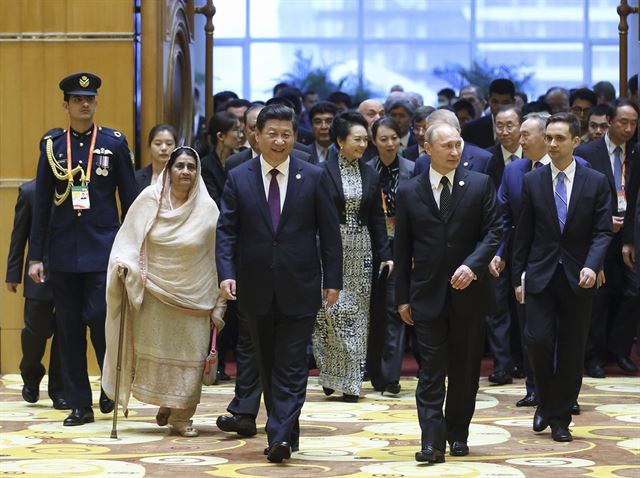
pixel 102 159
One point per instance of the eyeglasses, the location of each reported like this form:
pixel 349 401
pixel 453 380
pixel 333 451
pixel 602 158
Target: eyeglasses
pixel 506 126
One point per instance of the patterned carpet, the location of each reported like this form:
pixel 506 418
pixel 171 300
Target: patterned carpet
pixel 376 437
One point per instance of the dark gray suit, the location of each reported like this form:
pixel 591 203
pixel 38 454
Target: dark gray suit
pixel 39 316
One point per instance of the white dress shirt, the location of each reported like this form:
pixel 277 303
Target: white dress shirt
pixel 569 175
pixel 404 141
pixel 321 152
pixel 282 177
pixel 506 154
pixel 435 177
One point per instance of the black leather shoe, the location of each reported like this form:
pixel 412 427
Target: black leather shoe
pixel 458 448
pixel 278 452
pixel 106 404
pixel 350 398
pixel 530 400
pixel 559 433
pixel 294 448
pixel 393 388
pixel 30 394
pixel 500 378
pixel 60 403
pixel 243 425
pixel 328 391
pixel 626 364
pixel 79 416
pixel 430 455
pixel 518 372
pixel 595 370
pixel 575 408
pixel 222 376
pixel 539 422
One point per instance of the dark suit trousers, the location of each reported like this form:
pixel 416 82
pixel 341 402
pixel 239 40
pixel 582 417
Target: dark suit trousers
pixel 80 303
pixel 40 325
pixel 248 387
pixel 280 343
pixel 393 351
pixel 450 345
pixel 556 331
pixel 526 365
pixel 615 314
pixel 228 339
pixel 499 324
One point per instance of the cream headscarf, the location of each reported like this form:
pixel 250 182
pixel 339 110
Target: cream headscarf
pixel 188 282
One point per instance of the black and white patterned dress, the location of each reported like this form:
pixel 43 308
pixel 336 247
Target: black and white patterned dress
pixel 340 334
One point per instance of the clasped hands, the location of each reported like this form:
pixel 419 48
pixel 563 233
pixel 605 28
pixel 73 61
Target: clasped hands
pixel 228 291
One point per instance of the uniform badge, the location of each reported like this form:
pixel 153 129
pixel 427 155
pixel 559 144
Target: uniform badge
pixel 103 161
pixel 84 81
pixel 117 134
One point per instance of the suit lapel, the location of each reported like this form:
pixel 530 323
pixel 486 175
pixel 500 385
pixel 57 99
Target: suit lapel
pixel 258 190
pixel 603 153
pixel 458 189
pixel 576 191
pixel 425 192
pixel 334 173
pixel 296 178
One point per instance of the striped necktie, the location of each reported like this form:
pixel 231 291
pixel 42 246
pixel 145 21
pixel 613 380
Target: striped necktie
pixel 560 196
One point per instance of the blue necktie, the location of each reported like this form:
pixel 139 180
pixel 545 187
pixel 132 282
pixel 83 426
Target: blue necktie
pixel 560 197
pixel 274 199
pixel 617 167
pixel 538 165
pixel 513 158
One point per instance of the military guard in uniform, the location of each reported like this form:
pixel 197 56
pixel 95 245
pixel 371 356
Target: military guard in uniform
pixel 79 171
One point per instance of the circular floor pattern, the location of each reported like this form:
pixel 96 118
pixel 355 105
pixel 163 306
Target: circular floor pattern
pixel 553 462
pixel 458 469
pixel 75 467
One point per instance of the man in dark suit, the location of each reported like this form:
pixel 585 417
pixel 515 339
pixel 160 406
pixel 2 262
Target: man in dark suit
pixel 81 168
pixel 402 112
pixel 39 316
pixel 273 209
pixel 419 128
pixel 560 243
pixel 507 149
pixel 321 116
pixel 481 131
pixel 615 307
pixel 447 231
pixel 473 158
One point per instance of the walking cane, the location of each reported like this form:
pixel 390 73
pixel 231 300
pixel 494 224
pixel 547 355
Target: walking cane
pixel 123 311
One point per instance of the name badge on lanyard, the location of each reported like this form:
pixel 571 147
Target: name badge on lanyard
pixel 80 197
pixel 622 201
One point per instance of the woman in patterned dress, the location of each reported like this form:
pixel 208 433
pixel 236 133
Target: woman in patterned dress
pixel 340 335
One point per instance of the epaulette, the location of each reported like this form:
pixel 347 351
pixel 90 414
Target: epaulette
pixel 53 133
pixel 112 133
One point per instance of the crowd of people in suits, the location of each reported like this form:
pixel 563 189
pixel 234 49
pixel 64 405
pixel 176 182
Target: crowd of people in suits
pixel 344 235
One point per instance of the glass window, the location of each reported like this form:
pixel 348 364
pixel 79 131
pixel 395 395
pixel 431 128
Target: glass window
pixel 230 20
pixel 553 64
pixel 604 65
pixel 307 19
pixel 271 62
pixel 412 66
pixel 530 19
pixel 227 69
pixel 417 19
pixel 603 19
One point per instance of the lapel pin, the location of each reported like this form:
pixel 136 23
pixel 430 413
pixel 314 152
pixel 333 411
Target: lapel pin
pixel 298 176
pixel 465 164
pixel 461 183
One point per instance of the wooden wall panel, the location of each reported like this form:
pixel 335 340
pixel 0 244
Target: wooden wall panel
pixel 31 102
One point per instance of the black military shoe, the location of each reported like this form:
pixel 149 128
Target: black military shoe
pixel 539 422
pixel 60 403
pixel 79 416
pixel 530 400
pixel 106 404
pixel 430 455
pixel 500 378
pixel 30 394
pixel 243 425
pixel 278 452
pixel 458 448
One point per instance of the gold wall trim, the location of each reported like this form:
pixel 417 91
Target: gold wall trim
pixel 12 183
pixel 65 36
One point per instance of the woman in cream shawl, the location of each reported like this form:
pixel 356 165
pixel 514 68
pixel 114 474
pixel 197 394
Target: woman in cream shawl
pixel 166 245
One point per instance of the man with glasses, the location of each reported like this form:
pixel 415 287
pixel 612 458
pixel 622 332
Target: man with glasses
pixel 581 101
pixel 321 116
pixel 419 127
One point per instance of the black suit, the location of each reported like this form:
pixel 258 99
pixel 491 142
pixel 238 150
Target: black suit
pixel 278 276
pixel 39 316
pixel 385 347
pixel 616 305
pixel 556 306
pixel 143 177
pixel 479 132
pixel 411 152
pixel 449 323
pixel 214 175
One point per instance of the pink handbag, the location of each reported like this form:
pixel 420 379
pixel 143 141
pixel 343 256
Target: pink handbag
pixel 211 363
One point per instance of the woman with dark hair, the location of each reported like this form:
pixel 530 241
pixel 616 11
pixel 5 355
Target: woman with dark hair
pixel 386 347
pixel 340 335
pixel 225 133
pixel 164 253
pixel 162 140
